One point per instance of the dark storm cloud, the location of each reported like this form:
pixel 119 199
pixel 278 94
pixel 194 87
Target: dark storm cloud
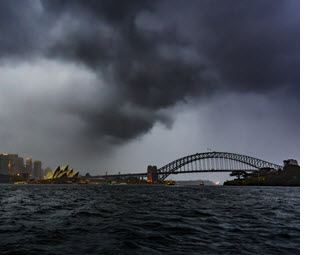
pixel 153 54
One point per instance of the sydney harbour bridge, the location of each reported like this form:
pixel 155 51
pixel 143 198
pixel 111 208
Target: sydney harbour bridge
pixel 200 163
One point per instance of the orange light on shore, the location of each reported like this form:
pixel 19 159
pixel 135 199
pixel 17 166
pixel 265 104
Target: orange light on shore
pixel 217 183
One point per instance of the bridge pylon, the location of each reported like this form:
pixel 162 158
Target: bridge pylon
pixel 152 173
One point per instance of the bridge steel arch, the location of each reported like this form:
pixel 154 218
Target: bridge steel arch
pixel 173 166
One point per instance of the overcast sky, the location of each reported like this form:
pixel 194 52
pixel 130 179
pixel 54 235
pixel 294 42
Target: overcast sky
pixel 117 85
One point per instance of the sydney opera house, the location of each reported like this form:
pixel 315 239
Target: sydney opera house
pixel 62 175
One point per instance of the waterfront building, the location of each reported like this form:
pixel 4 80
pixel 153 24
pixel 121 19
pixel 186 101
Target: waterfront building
pixel 62 175
pixel 37 170
pixel 4 162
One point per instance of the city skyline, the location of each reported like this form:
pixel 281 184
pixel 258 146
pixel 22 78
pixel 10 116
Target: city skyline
pixel 13 165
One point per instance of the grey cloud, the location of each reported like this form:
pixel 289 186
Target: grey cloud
pixel 150 55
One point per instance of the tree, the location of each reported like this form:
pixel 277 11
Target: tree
pixel 239 174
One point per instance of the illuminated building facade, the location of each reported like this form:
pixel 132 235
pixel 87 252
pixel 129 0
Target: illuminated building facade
pixel 10 164
pixel 64 175
pixel 28 166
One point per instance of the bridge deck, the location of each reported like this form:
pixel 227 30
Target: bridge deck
pixel 176 172
pixel 120 175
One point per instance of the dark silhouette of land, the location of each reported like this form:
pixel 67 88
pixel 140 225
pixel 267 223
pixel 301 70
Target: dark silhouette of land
pixel 289 176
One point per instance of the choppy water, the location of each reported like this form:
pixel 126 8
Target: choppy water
pixel 142 219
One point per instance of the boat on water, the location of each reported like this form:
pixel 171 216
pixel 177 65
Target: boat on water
pixel 21 182
pixel 170 182
pixel 118 183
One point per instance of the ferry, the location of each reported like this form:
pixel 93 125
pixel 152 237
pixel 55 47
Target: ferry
pixel 118 183
pixel 20 182
pixel 170 182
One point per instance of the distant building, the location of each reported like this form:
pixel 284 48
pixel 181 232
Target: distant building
pixel 290 162
pixel 28 166
pixel 9 164
pixel 19 165
pixel 12 164
pixel 65 175
pixel 37 170
pixel 4 162
pixel 26 176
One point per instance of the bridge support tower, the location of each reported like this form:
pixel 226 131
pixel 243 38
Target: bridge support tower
pixel 152 174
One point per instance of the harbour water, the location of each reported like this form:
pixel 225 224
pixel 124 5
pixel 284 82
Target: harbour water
pixel 148 219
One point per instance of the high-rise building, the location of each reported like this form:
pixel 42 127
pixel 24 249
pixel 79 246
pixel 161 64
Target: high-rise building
pixel 9 164
pixel 28 166
pixel 37 170
pixel 12 164
pixel 19 165
pixel 4 162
